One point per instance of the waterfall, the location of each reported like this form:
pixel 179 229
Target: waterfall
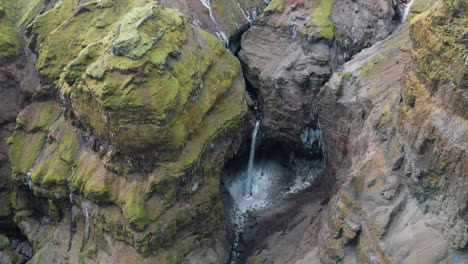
pixel 86 215
pixel 220 34
pixel 207 4
pixel 28 180
pixel 407 10
pixel 246 16
pixel 294 33
pixel 249 178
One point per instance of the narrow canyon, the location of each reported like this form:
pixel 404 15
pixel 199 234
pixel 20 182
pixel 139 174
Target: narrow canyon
pixel 233 131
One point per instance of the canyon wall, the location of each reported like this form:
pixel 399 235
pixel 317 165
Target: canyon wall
pixel 120 117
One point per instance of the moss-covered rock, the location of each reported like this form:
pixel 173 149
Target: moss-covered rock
pixel 275 6
pixel 145 87
pixel 439 50
pixel 321 18
pixel 90 178
pixel 9 42
pixel 125 96
pixel 135 211
pixel 43 149
pixel 54 211
pixel 4 242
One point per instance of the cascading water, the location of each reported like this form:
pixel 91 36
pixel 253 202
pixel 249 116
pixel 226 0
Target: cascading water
pixel 249 180
pixel 28 180
pixel 207 4
pixel 84 207
pixel 407 10
pixel 220 34
pixel 263 177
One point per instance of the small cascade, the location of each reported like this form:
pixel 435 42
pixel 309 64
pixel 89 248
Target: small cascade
pixel 249 180
pixel 247 16
pixel 222 36
pixel 28 180
pixel 70 187
pixel 84 208
pixel 407 10
pixel 311 137
pixel 294 33
pixel 207 4
pixel 219 33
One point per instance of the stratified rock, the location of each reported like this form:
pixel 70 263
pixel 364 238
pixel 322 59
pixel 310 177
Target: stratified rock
pixel 150 105
pixel 394 126
pixel 295 46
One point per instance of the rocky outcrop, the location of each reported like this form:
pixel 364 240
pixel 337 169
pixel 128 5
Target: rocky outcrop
pixel 227 20
pixel 122 145
pixel 393 133
pixel 306 42
pixel 129 111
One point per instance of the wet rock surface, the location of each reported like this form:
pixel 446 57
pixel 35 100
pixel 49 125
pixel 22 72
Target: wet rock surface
pixel 306 42
pixel 381 212
pixel 132 140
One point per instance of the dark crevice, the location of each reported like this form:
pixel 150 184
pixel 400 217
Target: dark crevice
pixel 283 175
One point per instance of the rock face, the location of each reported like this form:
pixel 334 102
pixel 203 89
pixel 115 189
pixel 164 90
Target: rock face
pixel 148 107
pixel 397 154
pixel 307 41
pixel 122 115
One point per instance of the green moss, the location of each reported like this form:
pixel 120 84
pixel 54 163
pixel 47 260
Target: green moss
pixel 234 13
pixel 371 66
pixel 54 212
pixel 66 138
pixel 348 201
pixel 4 242
pixel 51 170
pixel 38 116
pixel 21 123
pixel 135 211
pixel 25 149
pixel 63 32
pixel 90 178
pixel 5 207
pixel 26 10
pixel 40 258
pixel 321 18
pixel 358 184
pixel 275 6
pixel 346 75
pixel 10 48
pixel 170 195
pixel 18 200
pixel 420 6
pixel 77 67
pixel 130 42
pixel 384 117
pixel 158 108
pixel 91 253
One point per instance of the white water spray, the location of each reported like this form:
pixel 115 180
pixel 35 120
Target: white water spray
pixel 294 33
pixel 28 180
pixel 207 4
pixel 220 34
pixel 407 10
pixel 246 15
pixel 249 180
pixel 85 206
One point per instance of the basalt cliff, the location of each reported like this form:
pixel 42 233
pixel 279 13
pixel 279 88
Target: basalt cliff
pixel 235 131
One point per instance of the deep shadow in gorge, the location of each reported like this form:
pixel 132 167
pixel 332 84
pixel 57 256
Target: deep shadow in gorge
pixel 285 180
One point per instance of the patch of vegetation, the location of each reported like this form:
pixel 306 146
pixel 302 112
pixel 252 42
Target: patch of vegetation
pixel 275 6
pixel 321 18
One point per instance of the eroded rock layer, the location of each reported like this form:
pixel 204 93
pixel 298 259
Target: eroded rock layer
pixel 120 118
